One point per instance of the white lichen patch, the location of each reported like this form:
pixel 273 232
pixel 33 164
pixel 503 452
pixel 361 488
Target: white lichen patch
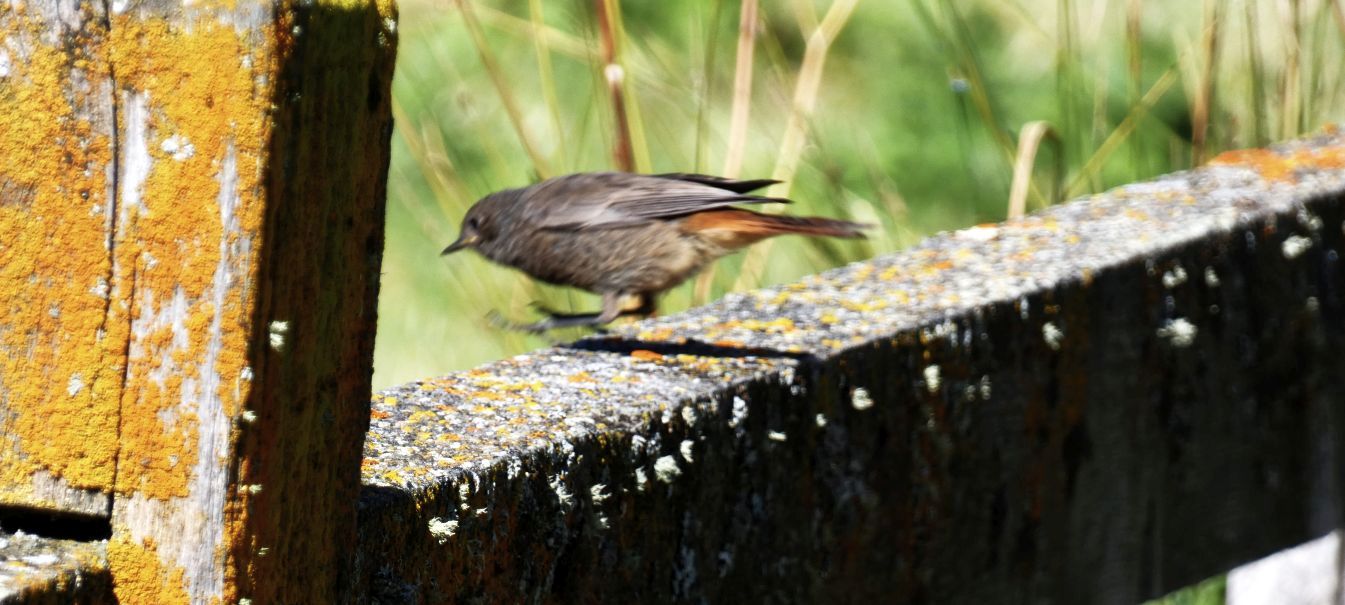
pixel 178 147
pixel 666 469
pixel 276 332
pixel 860 399
pixel 1174 277
pixel 977 234
pixel 1179 332
pixel 1052 335
pixel 641 480
pixel 563 495
pixel 777 436
pixel 442 529
pixel 739 413
pixel 820 420
pixel 687 450
pixel 598 493
pixel 1211 277
pixel 933 378
pixel 74 385
pixel 1294 246
pixel 41 560
pixel 1309 220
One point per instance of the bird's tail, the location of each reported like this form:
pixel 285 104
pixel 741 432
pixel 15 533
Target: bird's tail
pixel 736 228
pixel 807 225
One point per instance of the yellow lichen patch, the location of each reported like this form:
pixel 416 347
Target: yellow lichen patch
pixel 1274 166
pixel 141 577
pixel 774 326
pixel 866 306
pixel 487 395
pixel 59 361
pixel 655 335
pixel 204 131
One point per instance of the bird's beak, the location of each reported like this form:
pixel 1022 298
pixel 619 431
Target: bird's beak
pixel 464 241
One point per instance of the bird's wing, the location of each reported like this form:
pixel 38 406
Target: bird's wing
pixel 719 182
pixel 618 199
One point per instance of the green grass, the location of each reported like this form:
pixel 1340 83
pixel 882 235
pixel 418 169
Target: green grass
pixel 907 117
pixel 1209 592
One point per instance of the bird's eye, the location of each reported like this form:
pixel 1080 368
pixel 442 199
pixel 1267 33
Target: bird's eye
pixel 473 223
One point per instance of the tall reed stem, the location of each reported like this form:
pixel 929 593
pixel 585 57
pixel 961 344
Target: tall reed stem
pixel 506 94
pixel 796 129
pixel 615 77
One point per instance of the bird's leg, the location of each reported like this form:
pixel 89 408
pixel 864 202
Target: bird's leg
pixel 648 306
pixel 611 309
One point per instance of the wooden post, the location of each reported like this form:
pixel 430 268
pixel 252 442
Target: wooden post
pixel 62 339
pixel 191 203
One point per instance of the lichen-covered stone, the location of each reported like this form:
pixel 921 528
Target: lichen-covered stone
pixel 1098 403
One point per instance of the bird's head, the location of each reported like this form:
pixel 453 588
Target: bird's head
pixel 478 227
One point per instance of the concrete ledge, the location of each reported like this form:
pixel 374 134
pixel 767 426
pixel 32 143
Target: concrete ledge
pixel 1098 403
pixel 1307 574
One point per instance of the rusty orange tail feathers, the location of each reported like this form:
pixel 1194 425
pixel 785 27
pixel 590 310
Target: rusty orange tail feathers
pixel 736 228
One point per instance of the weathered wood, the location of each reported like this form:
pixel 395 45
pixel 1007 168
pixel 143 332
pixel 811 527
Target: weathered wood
pixel 62 333
pixel 1100 403
pixel 199 232
pixel 35 570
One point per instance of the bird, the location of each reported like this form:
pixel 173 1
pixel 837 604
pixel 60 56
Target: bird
pixel 622 234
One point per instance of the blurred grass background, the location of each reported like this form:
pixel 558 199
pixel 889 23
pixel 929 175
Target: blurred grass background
pixel 903 113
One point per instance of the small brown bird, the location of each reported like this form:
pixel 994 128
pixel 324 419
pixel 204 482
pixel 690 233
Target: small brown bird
pixel 620 234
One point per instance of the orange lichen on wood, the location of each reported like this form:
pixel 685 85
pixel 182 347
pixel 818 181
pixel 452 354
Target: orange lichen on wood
pixel 188 253
pixel 1276 166
pixel 60 360
pixel 194 138
pixel 141 577
pixel 249 165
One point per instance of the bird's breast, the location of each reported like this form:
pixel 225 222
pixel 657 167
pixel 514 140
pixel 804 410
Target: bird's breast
pixel 643 258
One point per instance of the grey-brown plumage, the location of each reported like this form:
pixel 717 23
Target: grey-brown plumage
pixel 620 234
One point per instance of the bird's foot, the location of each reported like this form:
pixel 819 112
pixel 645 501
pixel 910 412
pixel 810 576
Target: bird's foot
pixel 542 309
pixel 553 322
